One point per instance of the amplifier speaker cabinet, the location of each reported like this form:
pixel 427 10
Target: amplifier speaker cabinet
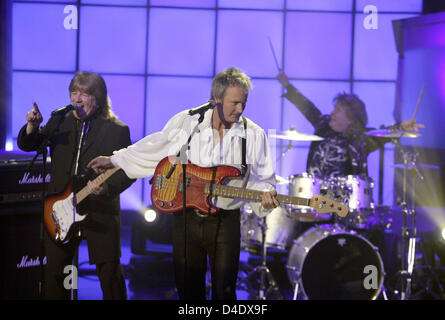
pixel 20 248
pixel 19 185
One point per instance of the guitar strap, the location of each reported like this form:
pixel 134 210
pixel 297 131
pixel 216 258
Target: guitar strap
pixel 243 150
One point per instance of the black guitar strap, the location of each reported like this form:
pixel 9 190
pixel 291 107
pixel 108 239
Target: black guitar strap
pixel 243 150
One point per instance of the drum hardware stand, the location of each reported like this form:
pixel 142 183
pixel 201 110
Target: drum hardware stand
pixel 383 292
pixel 283 153
pixel 263 270
pixel 297 282
pixel 408 242
pixel 408 238
pixel 427 286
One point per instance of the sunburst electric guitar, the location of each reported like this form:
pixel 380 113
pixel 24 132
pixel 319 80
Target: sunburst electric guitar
pixel 204 183
pixel 60 215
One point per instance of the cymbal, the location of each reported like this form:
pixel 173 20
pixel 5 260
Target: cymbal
pixel 388 133
pixel 419 165
pixel 281 180
pixel 296 136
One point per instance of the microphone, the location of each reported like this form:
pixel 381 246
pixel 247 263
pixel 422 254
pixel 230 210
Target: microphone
pixel 203 108
pixel 62 111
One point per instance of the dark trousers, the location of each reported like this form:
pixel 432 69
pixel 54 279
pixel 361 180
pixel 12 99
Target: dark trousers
pixel 59 278
pixel 194 239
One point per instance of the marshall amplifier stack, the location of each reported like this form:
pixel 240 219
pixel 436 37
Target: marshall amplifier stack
pixel 20 224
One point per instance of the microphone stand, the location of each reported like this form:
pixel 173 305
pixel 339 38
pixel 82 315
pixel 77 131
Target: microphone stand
pixel 75 260
pixel 43 150
pixel 181 156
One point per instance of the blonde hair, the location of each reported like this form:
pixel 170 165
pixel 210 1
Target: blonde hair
pixel 229 78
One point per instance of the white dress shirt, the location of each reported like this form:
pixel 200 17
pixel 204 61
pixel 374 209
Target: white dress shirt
pixel 140 159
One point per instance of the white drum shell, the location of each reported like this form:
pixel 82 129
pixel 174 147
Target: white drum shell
pixel 280 229
pixel 359 191
pixel 306 186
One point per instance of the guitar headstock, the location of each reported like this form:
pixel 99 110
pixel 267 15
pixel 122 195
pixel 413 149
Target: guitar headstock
pixel 325 205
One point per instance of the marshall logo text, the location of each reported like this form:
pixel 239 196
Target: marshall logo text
pixel 30 179
pixel 28 262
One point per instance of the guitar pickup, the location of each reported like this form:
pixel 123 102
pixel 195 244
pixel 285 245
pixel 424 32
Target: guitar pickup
pixel 159 182
pixel 56 221
pixel 187 184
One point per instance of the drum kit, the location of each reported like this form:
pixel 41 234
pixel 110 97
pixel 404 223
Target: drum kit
pixel 329 257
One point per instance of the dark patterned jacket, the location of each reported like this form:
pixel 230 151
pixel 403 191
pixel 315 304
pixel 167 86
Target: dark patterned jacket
pixel 337 154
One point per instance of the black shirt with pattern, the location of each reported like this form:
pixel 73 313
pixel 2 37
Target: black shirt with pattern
pixel 337 154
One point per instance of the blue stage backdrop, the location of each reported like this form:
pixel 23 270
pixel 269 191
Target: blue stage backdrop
pixel 159 56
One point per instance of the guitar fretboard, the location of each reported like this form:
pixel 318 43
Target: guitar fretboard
pixel 249 194
pixel 82 194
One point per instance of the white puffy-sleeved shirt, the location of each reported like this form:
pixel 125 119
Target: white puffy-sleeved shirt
pixel 140 159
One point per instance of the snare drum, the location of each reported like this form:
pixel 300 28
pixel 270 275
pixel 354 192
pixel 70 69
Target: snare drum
pixel 280 229
pixel 306 186
pixel 331 263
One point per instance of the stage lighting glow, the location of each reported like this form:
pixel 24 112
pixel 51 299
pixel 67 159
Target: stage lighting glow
pixel 150 215
pixel 442 233
pixel 9 146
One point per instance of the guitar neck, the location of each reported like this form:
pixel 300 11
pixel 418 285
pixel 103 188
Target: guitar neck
pixel 249 194
pixel 82 194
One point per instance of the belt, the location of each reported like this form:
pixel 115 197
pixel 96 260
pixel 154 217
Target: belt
pixel 220 211
pixel 199 214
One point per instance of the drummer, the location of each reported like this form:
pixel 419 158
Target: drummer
pixel 345 147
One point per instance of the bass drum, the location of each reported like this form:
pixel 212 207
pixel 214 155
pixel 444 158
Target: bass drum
pixel 331 263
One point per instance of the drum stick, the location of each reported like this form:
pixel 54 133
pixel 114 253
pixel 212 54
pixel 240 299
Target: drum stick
pixel 418 101
pixel 273 53
pixel 36 108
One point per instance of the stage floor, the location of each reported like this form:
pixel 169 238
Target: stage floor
pixel 149 276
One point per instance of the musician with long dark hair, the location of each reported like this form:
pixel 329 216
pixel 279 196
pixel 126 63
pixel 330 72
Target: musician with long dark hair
pixel 219 141
pixel 343 151
pixel 345 147
pixel 75 137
